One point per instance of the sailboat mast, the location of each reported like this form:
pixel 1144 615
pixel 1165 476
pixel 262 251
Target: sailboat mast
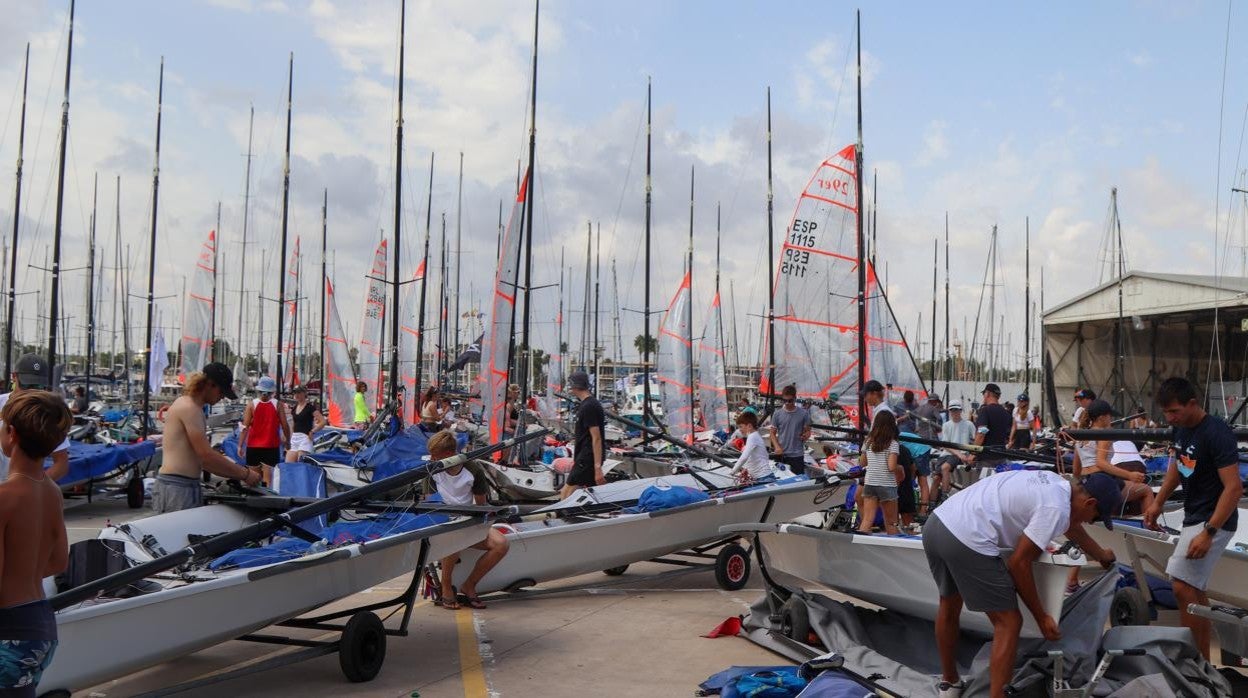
pixel 770 269
pixel 424 286
pixel 212 312
pixel 528 214
pixel 281 275
pixel 948 356
pixel 597 284
pixel 645 316
pixel 112 349
pixel 1119 265
pixel 151 261
pixel 324 248
pixel 53 312
pixel 443 326
pixel 17 217
pixel 862 262
pixel 935 264
pixel 459 249
pixel 619 334
pixel 688 319
pixel 1027 306
pixel 719 328
pixel 242 269
pixel 589 253
pixel 90 358
pixel 398 232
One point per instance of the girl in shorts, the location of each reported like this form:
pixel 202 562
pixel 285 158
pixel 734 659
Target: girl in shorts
pixel 306 420
pixel 879 456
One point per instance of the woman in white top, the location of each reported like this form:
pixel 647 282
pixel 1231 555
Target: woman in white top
pixel 754 464
pixel 879 454
pixel 1022 430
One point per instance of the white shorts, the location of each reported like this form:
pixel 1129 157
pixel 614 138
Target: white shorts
pixel 301 442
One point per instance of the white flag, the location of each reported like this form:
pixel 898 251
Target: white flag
pixel 160 361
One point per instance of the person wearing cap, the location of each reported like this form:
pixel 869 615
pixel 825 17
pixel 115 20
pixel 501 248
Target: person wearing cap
pixel 1083 398
pixel 31 373
pixel 1205 460
pixel 265 430
pixel 305 420
pixel 873 396
pixel 185 448
pixel 790 429
pixel 587 452
pixel 1022 428
pixel 1022 510
pixel 954 430
pixel 992 424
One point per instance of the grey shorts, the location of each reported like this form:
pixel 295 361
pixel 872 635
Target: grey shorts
pixel 175 493
pixel 1196 573
pixel 982 581
pixel 884 493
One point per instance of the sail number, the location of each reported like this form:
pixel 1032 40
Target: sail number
pixel 795 262
pixel 802 234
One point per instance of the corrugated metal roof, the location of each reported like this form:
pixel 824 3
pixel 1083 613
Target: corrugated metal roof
pixel 1225 286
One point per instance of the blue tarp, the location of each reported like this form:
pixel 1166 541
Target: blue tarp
pixel 341 533
pixel 655 498
pixel 754 681
pixel 92 461
pixel 399 453
pixel 302 480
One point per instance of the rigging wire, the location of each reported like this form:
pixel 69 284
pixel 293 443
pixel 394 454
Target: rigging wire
pixel 1215 349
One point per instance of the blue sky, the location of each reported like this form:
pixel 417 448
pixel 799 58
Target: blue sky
pixel 991 112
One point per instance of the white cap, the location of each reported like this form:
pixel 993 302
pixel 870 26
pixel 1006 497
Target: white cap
pixel 955 405
pixel 1125 452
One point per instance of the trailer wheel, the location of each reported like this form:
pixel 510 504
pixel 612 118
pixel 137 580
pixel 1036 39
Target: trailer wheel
pixel 1129 607
pixel 795 620
pixel 615 571
pixel 134 493
pixel 58 693
pixel 732 567
pixel 362 648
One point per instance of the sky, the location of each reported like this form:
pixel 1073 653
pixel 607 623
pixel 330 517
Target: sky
pixel 994 115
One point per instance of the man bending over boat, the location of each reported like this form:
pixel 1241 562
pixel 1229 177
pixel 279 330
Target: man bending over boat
pixel 1206 460
pixel 590 421
pixel 459 486
pixel 1023 510
pixel 31 373
pixel 33 543
pixel 186 450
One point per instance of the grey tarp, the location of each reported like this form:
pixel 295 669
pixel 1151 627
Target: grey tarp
pixel 902 650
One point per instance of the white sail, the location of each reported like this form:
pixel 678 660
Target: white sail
pixel 409 336
pixel 712 390
pixel 674 364
pixel 498 337
pixel 372 326
pixel 815 294
pixel 290 296
pixel 197 313
pixel 339 387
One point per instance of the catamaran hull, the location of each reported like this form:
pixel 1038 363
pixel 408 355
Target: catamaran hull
pixel 103 641
pixel 1229 582
pixel 889 571
pixel 554 549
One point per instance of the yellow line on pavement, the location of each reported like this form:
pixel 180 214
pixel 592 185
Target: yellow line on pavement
pixel 471 665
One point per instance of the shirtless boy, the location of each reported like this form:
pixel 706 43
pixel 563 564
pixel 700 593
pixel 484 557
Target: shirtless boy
pixel 32 537
pixel 186 450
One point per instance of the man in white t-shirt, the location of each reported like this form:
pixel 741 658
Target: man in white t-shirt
pixel 959 431
pixel 31 373
pixel 460 486
pixel 1023 510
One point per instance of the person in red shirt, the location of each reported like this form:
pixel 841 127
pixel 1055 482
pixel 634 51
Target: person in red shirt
pixel 265 431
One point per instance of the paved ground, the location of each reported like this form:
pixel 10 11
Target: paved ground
pixel 637 634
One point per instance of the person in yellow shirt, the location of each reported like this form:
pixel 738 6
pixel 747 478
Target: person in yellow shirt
pixel 362 415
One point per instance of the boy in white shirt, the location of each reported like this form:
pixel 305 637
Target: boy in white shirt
pixel 754 464
pixel 460 486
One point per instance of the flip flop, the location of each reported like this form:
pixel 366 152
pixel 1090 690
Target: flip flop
pixel 448 604
pixel 470 601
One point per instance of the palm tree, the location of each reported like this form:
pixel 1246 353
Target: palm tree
pixel 640 341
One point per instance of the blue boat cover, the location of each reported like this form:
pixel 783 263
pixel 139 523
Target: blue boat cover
pixel 756 682
pixel 302 480
pixel 915 450
pixel 341 533
pixel 399 453
pixel 93 461
pixel 655 498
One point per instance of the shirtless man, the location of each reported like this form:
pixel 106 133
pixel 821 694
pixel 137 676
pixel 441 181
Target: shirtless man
pixel 186 450
pixel 33 543
pixel 31 373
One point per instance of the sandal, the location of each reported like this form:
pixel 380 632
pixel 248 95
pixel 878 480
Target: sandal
pixel 448 604
pixel 470 601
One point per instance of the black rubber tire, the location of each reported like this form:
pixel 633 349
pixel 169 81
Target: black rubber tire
pixel 362 648
pixel 795 620
pixel 615 571
pixel 732 567
pixel 1129 607
pixel 134 493
pixel 58 693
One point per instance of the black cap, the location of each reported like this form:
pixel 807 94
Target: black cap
pixel 992 388
pixel 872 386
pixel 578 380
pixel 32 371
pixel 1084 394
pixel 1100 408
pixel 1107 492
pixel 933 397
pixel 1022 397
pixel 222 377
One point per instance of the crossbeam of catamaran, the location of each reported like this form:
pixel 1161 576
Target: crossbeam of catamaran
pixel 218 545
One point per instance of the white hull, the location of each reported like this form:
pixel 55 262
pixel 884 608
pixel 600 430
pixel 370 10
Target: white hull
pixel 890 571
pixel 1229 583
pixel 536 481
pixel 558 548
pixel 100 641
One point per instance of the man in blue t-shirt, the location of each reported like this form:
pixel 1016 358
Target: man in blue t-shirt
pixel 1205 460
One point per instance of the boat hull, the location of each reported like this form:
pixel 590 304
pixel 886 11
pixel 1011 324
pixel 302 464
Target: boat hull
pixel 105 640
pixel 891 571
pixel 540 550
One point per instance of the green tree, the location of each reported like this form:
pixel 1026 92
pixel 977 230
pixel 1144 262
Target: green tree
pixel 640 342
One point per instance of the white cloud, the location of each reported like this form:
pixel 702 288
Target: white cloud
pixel 935 143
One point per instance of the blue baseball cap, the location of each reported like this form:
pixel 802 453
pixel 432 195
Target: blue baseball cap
pixel 1107 492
